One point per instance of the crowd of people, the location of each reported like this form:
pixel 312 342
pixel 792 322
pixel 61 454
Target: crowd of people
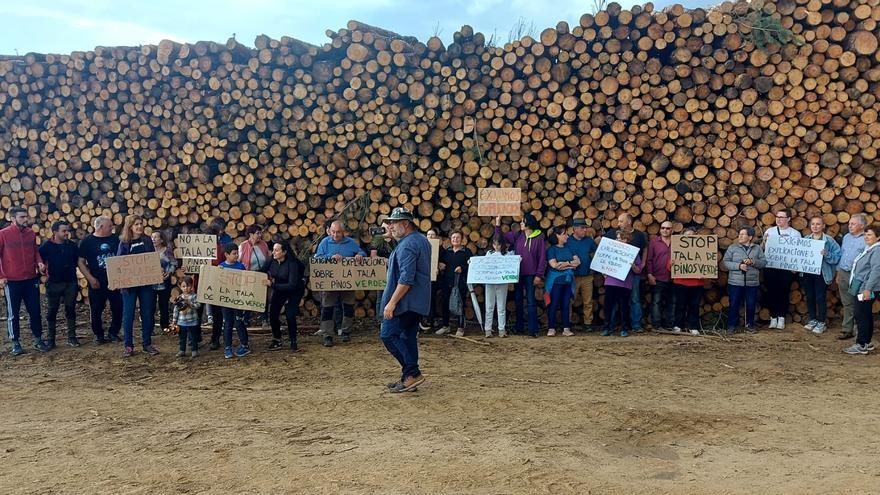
pixel 554 272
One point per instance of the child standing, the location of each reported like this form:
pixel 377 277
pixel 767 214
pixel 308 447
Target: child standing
pixel 234 316
pixel 618 293
pixel 186 317
pixel 496 294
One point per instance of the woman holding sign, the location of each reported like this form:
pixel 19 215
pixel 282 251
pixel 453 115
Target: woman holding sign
pixel 618 293
pixel 744 262
pixel 864 281
pixel 779 281
pixel 560 279
pixel 528 244
pixel 816 285
pixel 133 241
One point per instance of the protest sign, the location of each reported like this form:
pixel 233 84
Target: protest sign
pixel 195 246
pixel 237 289
pixel 794 253
pixel 694 256
pixel 435 257
pixel 134 270
pixel 493 270
pixel 327 274
pixel 494 201
pixel 614 258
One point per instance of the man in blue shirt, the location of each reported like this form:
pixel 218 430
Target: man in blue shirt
pixel 852 245
pixel 584 247
pixel 337 246
pixel 407 297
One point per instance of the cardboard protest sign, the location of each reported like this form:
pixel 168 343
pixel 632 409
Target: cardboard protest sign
pixel 614 258
pixel 494 201
pixel 694 256
pixel 327 274
pixel 195 246
pixel 134 270
pixel 238 289
pixel 493 270
pixel 794 253
pixel 435 257
pixel 195 250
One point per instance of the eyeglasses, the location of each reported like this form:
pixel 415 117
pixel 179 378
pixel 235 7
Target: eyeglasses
pixel 665 228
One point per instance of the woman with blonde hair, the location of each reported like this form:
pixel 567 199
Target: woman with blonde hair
pixel 132 240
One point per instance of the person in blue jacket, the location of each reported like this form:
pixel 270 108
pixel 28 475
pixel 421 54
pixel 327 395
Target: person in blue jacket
pixel 337 246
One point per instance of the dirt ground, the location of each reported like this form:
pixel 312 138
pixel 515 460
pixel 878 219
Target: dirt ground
pixel 777 412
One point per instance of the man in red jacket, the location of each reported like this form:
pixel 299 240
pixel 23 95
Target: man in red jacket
pixel 20 269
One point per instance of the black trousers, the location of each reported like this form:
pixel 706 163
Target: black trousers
pixel 778 291
pixel 56 294
pixel 447 294
pixel 98 299
pixel 864 317
pixel 687 306
pixel 217 325
pixel 162 298
pixel 289 301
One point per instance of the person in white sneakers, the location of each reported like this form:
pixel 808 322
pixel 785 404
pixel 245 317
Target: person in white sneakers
pixel 496 294
pixel 779 281
pixel 816 285
pixel 864 283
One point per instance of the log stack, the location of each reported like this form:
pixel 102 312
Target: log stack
pixel 675 114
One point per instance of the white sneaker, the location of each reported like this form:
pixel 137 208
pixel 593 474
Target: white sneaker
pixel 780 323
pixel 676 329
pixel 811 325
pixel 694 331
pixel 442 331
pixel 551 332
pixel 819 328
pixel 459 332
pixel 567 333
pixel 773 323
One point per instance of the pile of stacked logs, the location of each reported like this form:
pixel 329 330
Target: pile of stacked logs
pixel 674 114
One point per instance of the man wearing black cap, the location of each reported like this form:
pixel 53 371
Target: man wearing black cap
pixel 407 297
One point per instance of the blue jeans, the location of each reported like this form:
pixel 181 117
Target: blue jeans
pixel 737 295
pixel 400 336
pixel 234 317
pixel 635 303
pixel 524 294
pixel 560 299
pixel 27 291
pixel 192 333
pixel 144 297
pixel 817 291
pixel 662 307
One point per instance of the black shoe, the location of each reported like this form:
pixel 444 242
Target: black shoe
pixel 328 341
pixel 294 348
pixel 214 346
pixel 50 344
pixel 42 346
pixel 346 337
pixel 845 336
pixel 114 337
pixel 100 340
pixel 275 345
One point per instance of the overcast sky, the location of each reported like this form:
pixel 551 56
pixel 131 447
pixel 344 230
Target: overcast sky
pixel 63 26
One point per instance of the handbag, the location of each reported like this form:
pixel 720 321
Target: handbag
pixel 455 303
pixel 855 287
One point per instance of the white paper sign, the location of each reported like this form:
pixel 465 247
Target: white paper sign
pixel 794 253
pixel 614 258
pixel 493 269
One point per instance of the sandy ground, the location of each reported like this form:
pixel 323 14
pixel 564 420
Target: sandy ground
pixel 778 412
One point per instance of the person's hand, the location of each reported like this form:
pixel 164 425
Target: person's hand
pixel 93 283
pixel 498 221
pixel 388 312
pixel 267 282
pixel 652 280
pixel 41 267
pixel 458 269
pixel 336 257
pixel 2 283
pixel 744 267
pixel 823 252
pixel 441 266
pixel 866 295
pixel 538 282
pixel 358 258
